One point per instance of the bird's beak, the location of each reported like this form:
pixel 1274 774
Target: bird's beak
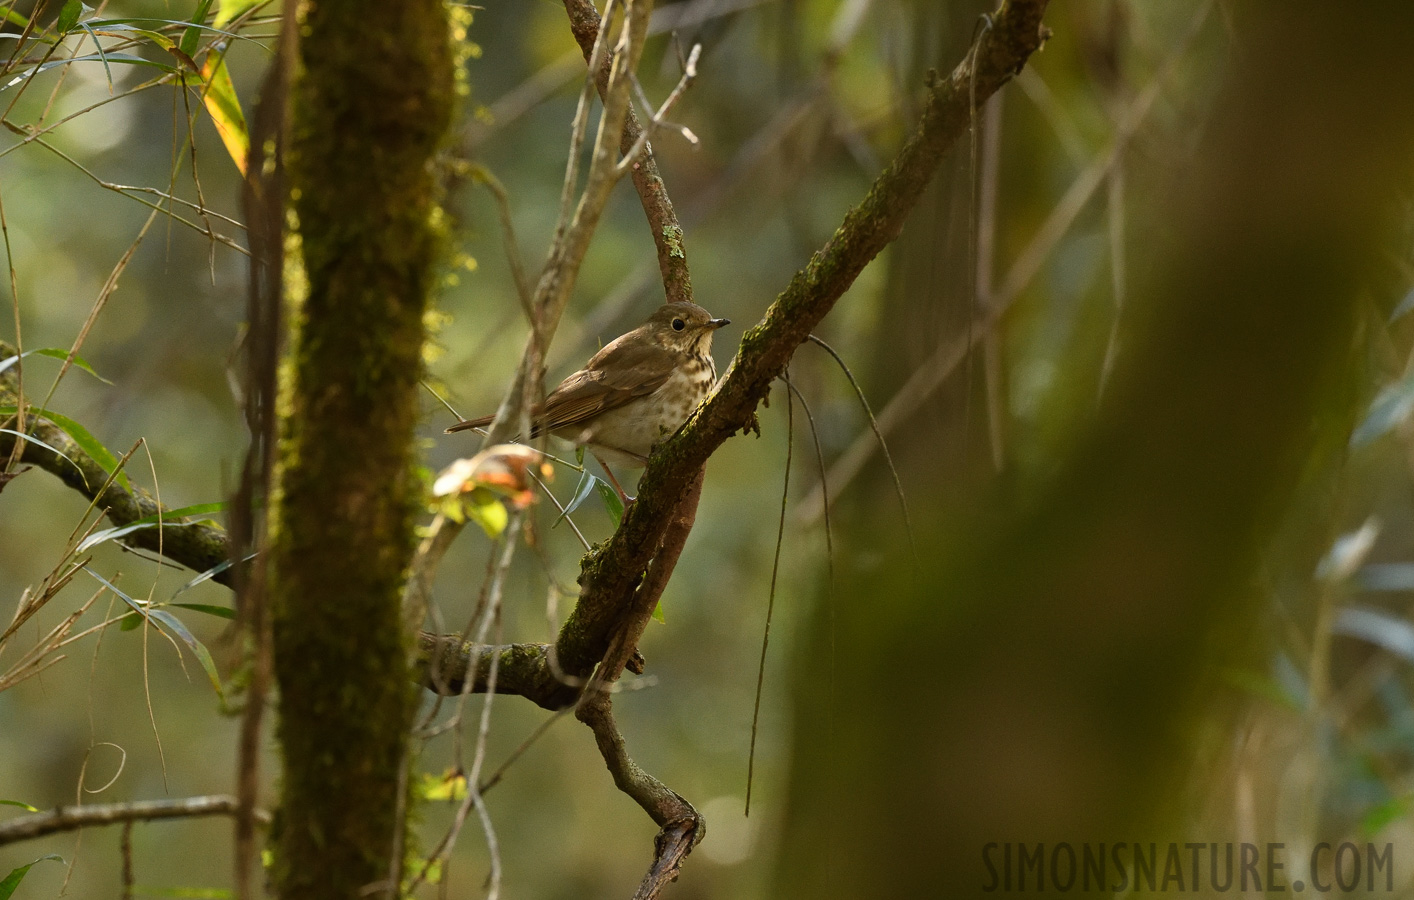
pixel 718 323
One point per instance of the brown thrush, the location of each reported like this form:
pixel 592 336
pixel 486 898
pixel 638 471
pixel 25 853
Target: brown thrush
pixel 635 392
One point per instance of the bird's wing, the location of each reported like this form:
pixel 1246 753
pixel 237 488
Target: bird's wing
pixel 617 374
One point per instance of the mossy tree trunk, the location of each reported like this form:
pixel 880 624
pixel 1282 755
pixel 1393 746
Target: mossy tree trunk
pixel 370 103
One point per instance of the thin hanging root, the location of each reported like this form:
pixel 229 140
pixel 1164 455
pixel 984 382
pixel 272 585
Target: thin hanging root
pixel 883 446
pixel 771 599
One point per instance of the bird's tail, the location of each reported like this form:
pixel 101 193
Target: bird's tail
pixel 466 424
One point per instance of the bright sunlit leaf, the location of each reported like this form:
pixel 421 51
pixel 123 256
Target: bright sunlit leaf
pixel 230 9
pixel 451 786
pixel 484 509
pixel 225 109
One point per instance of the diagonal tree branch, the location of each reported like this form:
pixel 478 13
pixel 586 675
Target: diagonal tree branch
pixel 622 580
pixel 611 574
pixel 198 546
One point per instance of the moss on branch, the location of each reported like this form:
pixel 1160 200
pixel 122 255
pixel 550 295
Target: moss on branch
pixel 370 104
pixel 610 574
pixel 200 546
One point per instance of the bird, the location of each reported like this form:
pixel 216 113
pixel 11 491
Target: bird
pixel 636 391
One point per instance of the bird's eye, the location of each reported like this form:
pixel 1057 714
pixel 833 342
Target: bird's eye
pixel 679 324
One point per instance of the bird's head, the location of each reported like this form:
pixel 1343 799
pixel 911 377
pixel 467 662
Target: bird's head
pixel 685 326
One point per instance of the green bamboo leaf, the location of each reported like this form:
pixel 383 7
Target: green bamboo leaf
pixel 193 33
pixel 1403 308
pixel 1390 408
pixel 581 493
pixel 168 623
pixel 230 9
pixel 168 518
pixel 20 804
pixel 198 649
pixel 35 440
pixel 126 59
pixel 53 353
pixel 207 576
pixel 223 612
pixel 225 109
pixel 69 16
pixel 80 435
pixel 12 881
pixel 112 534
pixel 612 502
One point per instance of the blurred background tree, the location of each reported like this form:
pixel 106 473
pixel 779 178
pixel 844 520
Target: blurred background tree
pixel 1176 247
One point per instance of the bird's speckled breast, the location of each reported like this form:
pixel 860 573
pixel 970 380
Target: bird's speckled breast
pixel 625 436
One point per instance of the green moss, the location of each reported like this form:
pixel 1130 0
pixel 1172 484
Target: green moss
pixel 369 108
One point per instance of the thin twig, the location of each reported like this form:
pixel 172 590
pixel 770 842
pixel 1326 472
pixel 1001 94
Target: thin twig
pixel 493 184
pixel 659 118
pixel 72 818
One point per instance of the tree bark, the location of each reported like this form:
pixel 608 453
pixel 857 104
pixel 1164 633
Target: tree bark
pixel 370 104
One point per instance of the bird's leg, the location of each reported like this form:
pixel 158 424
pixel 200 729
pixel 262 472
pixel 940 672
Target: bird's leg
pixel 623 495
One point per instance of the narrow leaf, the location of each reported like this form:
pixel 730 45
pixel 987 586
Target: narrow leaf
pixel 581 493
pixel 35 440
pixel 612 503
pixel 12 881
pixel 198 649
pixel 225 109
pixel 168 518
pixel 207 575
pixel 69 16
pixel 53 353
pixel 193 34
pixel 224 612
pixel 126 59
pixel 87 442
pixel 230 9
pixel 20 804
pixel 112 534
pixel 1379 628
